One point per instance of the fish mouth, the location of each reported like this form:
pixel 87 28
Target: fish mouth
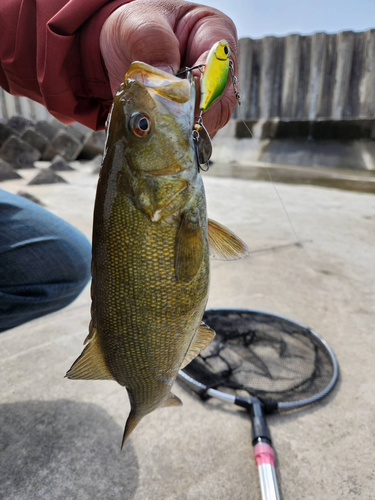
pixel 174 170
pixel 162 83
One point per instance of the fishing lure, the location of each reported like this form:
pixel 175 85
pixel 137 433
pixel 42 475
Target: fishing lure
pixel 215 74
pixel 213 82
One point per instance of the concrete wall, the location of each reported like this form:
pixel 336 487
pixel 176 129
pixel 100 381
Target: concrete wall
pixel 317 77
pixel 12 105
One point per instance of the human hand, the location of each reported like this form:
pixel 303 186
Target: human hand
pixel 168 34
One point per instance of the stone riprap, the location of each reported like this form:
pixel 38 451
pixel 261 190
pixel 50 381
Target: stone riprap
pixel 51 138
pixel 93 145
pixel 5 132
pixel 59 164
pixel 63 144
pixel 47 177
pixel 49 128
pixel 19 124
pixel 30 197
pixel 19 153
pixel 7 172
pixel 35 139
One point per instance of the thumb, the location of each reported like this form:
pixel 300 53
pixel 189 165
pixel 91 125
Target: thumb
pixel 138 31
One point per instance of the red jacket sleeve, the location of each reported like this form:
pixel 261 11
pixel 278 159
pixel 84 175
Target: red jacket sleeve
pixel 49 52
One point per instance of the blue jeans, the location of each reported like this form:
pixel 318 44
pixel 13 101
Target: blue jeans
pixel 44 261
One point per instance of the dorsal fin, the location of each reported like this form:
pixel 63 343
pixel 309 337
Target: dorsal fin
pixel 90 365
pixel 202 338
pixel 224 244
pixel 172 400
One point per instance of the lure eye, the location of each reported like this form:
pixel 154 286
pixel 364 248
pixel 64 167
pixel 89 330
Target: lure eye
pixel 140 124
pixel 226 50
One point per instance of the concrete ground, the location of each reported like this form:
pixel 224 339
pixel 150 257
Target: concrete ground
pixel 60 439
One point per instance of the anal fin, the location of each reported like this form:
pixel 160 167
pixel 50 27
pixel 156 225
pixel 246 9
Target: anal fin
pixel 202 339
pixel 90 365
pixel 172 400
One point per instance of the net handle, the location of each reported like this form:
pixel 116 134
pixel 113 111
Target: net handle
pixel 263 452
pixel 261 438
pixel 265 460
pixel 223 396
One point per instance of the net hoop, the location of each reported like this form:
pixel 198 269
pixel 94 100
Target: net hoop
pixel 282 405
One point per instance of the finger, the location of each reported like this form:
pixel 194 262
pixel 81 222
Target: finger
pixel 139 31
pixel 149 37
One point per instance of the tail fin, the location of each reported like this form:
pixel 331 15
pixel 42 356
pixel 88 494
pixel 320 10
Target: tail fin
pixel 130 425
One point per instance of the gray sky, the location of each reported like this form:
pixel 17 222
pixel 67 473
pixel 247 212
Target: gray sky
pixel 257 18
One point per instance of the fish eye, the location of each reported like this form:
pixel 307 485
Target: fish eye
pixel 140 124
pixel 226 50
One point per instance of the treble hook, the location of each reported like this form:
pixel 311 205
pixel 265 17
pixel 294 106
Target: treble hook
pixel 234 82
pixel 200 66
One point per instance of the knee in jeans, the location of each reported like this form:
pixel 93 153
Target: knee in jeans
pixel 82 264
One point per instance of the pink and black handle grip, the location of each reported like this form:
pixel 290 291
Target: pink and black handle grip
pixel 263 451
pixel 265 460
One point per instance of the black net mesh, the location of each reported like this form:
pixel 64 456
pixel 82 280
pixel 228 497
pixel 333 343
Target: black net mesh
pixel 266 356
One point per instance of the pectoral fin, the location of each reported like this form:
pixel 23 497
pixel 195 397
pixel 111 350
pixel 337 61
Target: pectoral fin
pixel 203 337
pixel 188 250
pixel 224 244
pixel 90 365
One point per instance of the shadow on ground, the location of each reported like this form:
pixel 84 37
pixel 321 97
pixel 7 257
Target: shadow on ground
pixel 63 449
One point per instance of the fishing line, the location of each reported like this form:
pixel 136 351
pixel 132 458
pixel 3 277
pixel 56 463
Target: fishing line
pixel 217 69
pixel 237 93
pixel 298 242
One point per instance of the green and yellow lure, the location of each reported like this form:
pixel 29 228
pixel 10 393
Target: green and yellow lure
pixel 215 74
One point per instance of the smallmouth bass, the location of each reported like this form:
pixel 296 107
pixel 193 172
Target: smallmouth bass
pixel 151 239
